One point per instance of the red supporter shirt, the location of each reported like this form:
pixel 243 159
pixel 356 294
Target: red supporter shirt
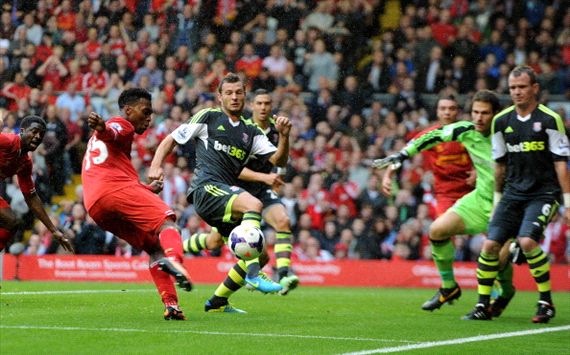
pixel 345 194
pixel 21 92
pixel 118 46
pixel 107 163
pixel 66 21
pixel 12 163
pixel 93 49
pixel 250 66
pixel 442 32
pixel 95 81
pixel 52 74
pixel 451 165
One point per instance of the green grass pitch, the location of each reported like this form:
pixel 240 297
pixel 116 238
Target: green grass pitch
pixel 113 318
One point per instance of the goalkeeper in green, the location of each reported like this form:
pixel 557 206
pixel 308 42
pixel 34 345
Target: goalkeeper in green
pixel 471 213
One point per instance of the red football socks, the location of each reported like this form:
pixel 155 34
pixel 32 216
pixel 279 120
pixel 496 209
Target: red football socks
pixel 171 243
pixel 165 286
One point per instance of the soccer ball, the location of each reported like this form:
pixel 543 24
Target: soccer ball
pixel 246 242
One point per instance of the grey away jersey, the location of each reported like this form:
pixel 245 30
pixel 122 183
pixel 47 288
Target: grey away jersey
pixel 223 147
pixel 261 165
pixel 529 146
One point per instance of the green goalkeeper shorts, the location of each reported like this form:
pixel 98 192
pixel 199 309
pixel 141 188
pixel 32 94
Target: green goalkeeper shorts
pixel 475 211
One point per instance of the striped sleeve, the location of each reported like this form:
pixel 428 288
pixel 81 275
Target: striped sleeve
pixel 448 133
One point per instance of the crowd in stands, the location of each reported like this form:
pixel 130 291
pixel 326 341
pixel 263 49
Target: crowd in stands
pixel 325 63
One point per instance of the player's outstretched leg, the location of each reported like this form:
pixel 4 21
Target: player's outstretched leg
pixel 233 282
pixel 172 263
pixel 254 278
pixel 283 249
pixel 167 293
pixel 443 253
pixel 540 270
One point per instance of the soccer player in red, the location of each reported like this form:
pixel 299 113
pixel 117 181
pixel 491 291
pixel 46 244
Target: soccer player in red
pixel 454 177
pixel 122 205
pixel 14 160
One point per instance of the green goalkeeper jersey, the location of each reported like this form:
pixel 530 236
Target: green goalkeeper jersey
pixel 477 145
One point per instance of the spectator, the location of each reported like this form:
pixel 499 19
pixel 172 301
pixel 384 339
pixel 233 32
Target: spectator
pixel 372 196
pixel 72 101
pixel 311 251
pixel 320 63
pixel 431 74
pixel 275 63
pixel 320 18
pixel 250 63
pixel 54 143
pixel 16 91
pixel 375 74
pixel 373 243
pixel 53 69
pixel 150 70
pixel 33 30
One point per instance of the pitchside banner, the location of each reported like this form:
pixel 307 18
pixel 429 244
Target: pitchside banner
pixel 365 273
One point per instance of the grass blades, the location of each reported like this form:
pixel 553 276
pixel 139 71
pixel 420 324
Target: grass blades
pixel 113 318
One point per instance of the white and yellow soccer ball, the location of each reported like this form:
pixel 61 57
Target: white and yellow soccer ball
pixel 246 242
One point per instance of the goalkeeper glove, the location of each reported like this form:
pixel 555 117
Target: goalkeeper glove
pixel 395 160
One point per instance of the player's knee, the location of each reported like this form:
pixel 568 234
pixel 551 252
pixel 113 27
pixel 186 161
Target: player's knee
pixel 246 202
pixel 283 223
pixel 491 247
pixel 214 241
pixel 527 244
pixel 256 205
pixel 437 232
pixel 155 253
pixel 169 224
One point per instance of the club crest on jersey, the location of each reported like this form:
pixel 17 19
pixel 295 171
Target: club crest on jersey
pixel 116 126
pixel 245 137
pixel 537 126
pixel 234 188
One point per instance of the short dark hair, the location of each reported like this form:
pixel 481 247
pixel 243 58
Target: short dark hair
pixel 258 92
pixel 450 97
pixel 521 69
pixel 31 119
pixel 130 96
pixel 489 97
pixel 230 78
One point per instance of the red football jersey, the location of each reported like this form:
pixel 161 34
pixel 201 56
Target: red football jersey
pixel 107 163
pixel 12 163
pixel 450 164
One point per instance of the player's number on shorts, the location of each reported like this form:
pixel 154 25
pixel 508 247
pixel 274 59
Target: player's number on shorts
pixel 546 208
pixel 94 146
pixel 272 194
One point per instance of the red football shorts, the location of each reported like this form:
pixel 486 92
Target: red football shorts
pixel 443 204
pixel 134 214
pixel 4 203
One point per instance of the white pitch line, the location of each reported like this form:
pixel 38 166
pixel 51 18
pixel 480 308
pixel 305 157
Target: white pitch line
pixel 201 332
pixel 432 344
pixel 71 292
